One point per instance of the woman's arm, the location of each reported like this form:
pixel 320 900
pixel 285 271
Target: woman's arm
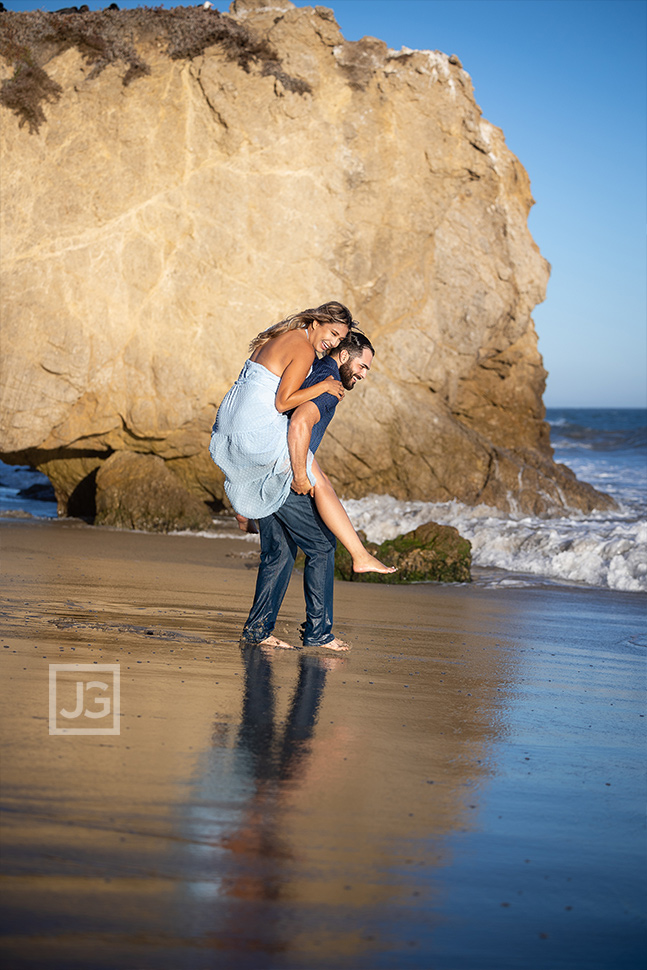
pixel 290 394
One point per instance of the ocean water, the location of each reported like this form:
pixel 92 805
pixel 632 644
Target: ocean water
pixel 605 447
pixel 24 490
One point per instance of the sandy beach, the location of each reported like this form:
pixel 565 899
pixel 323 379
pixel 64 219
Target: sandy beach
pixel 464 789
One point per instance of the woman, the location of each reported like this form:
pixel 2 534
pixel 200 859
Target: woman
pixel 249 438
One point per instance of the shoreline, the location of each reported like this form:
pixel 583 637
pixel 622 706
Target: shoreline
pixel 605 447
pixel 485 576
pixel 463 789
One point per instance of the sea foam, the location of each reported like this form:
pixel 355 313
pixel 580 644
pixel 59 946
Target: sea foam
pixel 599 549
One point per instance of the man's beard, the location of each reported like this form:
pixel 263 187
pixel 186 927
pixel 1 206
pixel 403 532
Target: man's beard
pixel 346 375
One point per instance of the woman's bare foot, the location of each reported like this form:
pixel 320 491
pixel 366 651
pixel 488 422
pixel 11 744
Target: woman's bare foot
pixel 273 641
pixel 246 525
pixel 369 564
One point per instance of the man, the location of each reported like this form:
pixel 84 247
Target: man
pixel 297 523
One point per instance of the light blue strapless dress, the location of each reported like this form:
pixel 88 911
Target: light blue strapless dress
pixel 249 442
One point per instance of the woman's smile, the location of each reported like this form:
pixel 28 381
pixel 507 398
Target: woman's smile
pixel 326 336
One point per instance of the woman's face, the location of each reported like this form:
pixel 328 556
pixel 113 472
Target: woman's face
pixel 326 336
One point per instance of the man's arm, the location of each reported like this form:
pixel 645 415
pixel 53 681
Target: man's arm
pixel 299 431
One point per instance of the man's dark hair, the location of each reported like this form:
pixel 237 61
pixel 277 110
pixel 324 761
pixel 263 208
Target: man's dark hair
pixel 354 343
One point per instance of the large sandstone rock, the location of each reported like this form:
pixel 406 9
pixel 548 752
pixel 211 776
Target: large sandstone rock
pixel 150 231
pixel 139 492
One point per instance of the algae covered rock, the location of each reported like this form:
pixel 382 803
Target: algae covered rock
pixel 431 552
pixel 136 491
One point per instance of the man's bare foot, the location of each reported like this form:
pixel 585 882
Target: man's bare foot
pixel 336 644
pixel 273 641
pixel 369 564
pixel 247 525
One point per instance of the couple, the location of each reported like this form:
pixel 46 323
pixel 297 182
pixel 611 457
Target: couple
pixel 271 473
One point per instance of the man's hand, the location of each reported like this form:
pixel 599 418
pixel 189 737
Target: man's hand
pixel 302 486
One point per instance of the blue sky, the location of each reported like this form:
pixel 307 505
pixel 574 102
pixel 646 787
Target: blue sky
pixel 566 80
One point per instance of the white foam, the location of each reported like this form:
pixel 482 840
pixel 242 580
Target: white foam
pixel 600 549
pixel 233 532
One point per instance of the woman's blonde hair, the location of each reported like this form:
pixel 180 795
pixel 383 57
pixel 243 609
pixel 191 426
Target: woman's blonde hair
pixel 332 313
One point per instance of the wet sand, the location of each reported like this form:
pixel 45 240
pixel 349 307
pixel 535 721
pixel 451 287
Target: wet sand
pixel 464 790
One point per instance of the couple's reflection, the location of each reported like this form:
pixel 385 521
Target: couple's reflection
pixel 243 858
pixel 272 756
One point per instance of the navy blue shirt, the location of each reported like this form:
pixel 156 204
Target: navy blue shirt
pixel 326 403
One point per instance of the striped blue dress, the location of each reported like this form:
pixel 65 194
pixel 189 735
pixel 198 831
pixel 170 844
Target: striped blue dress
pixel 249 442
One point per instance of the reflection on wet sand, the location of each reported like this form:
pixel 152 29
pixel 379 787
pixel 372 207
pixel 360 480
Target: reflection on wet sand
pixel 272 756
pixel 460 791
pixel 324 842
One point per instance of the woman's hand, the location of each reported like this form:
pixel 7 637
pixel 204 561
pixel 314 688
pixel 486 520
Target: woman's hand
pixel 332 386
pixel 302 486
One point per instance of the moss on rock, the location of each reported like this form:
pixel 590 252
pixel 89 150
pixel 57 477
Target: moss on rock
pixel 431 552
pixel 30 39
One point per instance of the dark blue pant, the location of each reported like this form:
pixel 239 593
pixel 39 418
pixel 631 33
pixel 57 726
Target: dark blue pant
pixel 297 524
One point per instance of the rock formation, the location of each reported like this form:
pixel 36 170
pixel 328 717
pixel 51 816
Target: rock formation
pixel 139 492
pixel 431 553
pixel 150 230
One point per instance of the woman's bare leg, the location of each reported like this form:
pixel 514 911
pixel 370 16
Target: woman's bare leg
pixel 334 515
pixel 246 525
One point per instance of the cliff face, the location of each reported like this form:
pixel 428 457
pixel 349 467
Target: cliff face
pixel 150 231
